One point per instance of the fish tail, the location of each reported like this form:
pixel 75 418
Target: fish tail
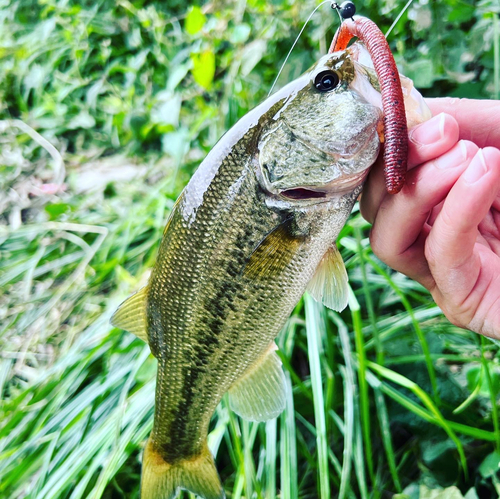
pixel 161 480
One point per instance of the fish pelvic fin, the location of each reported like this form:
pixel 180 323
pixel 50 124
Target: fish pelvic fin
pixel 131 315
pixel 161 480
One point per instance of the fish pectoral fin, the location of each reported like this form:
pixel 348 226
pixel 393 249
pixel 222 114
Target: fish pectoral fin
pixel 161 480
pixel 329 285
pixel 131 315
pixel 273 253
pixel 260 394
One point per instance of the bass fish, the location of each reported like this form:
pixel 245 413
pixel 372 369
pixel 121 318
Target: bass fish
pixel 254 228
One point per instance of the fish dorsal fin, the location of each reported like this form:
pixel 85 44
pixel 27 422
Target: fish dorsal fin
pixel 273 253
pixel 329 285
pixel 131 314
pixel 260 394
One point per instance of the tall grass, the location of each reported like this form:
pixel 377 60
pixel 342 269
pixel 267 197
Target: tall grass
pixel 385 398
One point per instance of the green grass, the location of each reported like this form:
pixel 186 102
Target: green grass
pixel 385 398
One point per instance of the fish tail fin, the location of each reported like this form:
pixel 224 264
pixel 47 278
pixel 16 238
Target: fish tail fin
pixel 161 480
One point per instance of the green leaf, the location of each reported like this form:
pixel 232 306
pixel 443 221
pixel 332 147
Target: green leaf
pixel 448 493
pixel 471 494
pixel 473 378
pixel 176 144
pixel 195 20
pixel 177 75
pixel 82 120
pixel 56 209
pixel 252 55
pixel 166 109
pixel 461 13
pixel 240 33
pixel 203 68
pixel 490 465
pixel 412 491
pixel 422 73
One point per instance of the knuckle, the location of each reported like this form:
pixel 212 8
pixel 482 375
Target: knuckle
pixel 430 253
pixel 381 248
pixel 449 223
pixel 456 313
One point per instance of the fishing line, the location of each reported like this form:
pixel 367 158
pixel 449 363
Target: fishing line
pixel 405 8
pixel 335 6
pixel 295 43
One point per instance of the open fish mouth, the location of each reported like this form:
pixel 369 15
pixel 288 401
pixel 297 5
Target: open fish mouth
pixel 302 193
pixel 337 187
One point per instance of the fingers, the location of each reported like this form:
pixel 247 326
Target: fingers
pixel 451 243
pixel 474 120
pixel 479 120
pixel 431 139
pixel 374 191
pixel 401 218
pixel 426 142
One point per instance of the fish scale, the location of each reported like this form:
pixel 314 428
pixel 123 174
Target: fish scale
pixel 210 334
pixel 232 319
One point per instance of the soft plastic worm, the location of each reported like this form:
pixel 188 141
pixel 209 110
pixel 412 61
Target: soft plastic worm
pixel 395 129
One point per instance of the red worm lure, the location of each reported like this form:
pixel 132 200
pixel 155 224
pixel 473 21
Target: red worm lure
pixel 395 129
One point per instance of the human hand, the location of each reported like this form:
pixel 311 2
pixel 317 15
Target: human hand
pixel 443 228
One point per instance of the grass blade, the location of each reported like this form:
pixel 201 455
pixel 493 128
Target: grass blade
pixel 349 386
pixel 405 382
pixel 313 337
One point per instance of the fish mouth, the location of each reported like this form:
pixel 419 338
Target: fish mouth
pixel 337 187
pixel 302 193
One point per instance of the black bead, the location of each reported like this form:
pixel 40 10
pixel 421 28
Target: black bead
pixel 347 10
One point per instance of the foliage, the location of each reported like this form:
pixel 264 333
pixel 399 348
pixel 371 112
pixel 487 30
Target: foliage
pixel 388 397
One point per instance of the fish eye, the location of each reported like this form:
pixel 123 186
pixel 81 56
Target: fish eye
pixel 326 80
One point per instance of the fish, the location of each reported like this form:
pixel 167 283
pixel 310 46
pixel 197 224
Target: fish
pixel 254 228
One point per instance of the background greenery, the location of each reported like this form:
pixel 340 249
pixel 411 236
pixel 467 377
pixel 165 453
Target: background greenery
pixel 387 396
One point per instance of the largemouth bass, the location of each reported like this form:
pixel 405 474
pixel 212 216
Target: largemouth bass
pixel 254 227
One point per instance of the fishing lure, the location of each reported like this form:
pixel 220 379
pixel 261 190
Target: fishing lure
pixel 395 126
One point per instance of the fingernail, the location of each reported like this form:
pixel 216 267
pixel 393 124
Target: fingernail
pixel 476 169
pixel 429 132
pixel 457 156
